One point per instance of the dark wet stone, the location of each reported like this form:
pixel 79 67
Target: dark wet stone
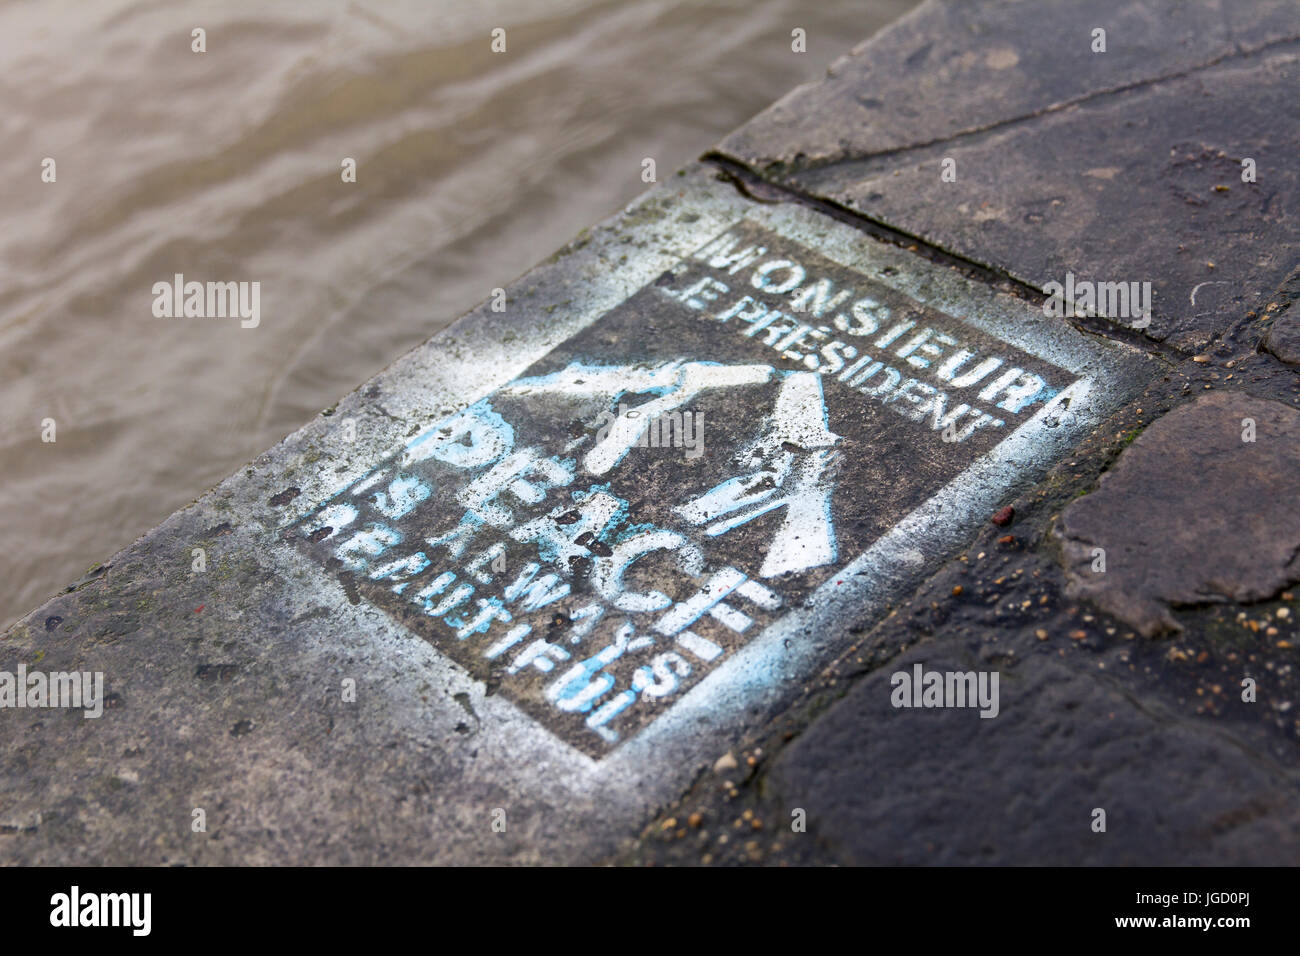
pixel 1283 336
pixel 951 68
pixel 1122 166
pixel 885 785
pixel 348 580
pixel 284 497
pixel 1192 513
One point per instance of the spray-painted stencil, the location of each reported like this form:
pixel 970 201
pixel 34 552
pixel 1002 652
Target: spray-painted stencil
pixel 595 537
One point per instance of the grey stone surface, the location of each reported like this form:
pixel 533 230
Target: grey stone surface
pixel 1283 336
pixel 1192 513
pixel 1116 166
pixel 950 69
pixel 886 785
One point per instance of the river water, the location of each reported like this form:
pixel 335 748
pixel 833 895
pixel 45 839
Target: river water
pixel 225 165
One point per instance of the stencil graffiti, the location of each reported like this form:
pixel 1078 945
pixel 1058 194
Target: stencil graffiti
pixel 534 539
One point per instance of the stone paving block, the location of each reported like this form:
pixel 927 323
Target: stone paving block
pixel 885 785
pixel 1123 166
pixel 950 69
pixel 1200 508
pixel 1283 336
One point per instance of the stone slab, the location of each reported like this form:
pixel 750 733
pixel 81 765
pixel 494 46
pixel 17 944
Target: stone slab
pixel 884 785
pixel 1200 508
pixel 1122 166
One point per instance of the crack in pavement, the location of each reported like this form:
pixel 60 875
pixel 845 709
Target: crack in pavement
pixel 756 189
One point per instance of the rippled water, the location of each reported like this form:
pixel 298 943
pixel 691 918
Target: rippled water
pixel 472 166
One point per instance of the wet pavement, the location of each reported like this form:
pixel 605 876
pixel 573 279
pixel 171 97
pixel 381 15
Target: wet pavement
pixel 649 560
